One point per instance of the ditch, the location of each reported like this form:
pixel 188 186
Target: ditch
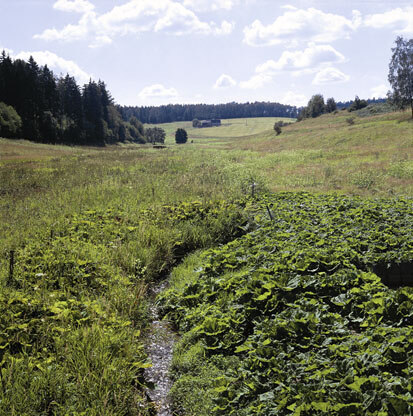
pixel 159 347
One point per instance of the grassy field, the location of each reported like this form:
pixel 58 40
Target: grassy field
pixel 231 128
pixel 93 228
pixel 372 156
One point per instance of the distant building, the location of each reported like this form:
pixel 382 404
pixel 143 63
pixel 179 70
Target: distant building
pixel 215 122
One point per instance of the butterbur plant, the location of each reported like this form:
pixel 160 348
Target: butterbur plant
pixel 292 318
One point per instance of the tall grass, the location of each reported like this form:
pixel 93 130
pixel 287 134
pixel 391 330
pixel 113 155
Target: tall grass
pixel 90 232
pixel 93 228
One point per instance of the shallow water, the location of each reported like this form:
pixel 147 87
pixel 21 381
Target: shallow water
pixel 159 347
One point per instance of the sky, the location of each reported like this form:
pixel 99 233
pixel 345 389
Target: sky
pixel 152 52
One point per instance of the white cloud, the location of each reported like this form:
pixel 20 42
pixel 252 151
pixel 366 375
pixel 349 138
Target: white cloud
pixel 77 6
pixel 157 91
pixel 400 19
pixel 57 64
pixel 225 81
pixel 70 32
pixel 100 41
pixel 134 17
pixel 226 28
pixel 289 7
pixel 209 5
pixel 297 25
pixel 330 75
pixel 311 57
pixel 379 91
pixel 292 98
pixel 256 81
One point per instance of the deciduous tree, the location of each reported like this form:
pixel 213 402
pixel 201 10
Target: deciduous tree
pixel 10 121
pixel 331 105
pixel 401 74
pixel 155 135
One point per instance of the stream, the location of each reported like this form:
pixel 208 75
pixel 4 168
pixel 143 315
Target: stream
pixel 159 347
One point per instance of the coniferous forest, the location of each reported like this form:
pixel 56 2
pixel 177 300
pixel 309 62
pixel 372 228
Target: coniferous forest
pixel 35 104
pixel 188 112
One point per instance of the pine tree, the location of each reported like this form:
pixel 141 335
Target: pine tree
pixel 71 110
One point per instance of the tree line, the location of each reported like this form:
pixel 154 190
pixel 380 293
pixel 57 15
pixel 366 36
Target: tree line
pixel 317 106
pixel 400 78
pixel 188 112
pixel 37 105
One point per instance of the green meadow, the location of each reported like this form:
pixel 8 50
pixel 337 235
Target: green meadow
pixel 86 232
pixel 231 128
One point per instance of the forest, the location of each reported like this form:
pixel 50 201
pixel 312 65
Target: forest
pixel 37 105
pixel 188 112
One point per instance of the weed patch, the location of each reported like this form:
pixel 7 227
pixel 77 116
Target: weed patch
pixel 295 315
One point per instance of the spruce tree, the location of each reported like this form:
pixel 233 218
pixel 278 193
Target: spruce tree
pixel 181 136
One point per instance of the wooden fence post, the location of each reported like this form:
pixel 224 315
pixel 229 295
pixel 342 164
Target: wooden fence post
pixel 11 265
pixel 269 213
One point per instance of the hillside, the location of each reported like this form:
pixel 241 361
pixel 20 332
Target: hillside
pixel 87 232
pixel 230 128
pixel 373 155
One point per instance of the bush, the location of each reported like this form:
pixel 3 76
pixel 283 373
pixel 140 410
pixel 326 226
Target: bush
pixel 277 127
pixel 181 136
pixel 155 135
pixel 357 104
pixel 10 121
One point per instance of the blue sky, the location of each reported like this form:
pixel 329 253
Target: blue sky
pixel 152 52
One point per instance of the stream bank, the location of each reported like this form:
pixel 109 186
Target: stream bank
pixel 159 347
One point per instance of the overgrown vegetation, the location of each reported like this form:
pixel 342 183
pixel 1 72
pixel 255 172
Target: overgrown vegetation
pixel 93 228
pixel 291 318
pixel 74 308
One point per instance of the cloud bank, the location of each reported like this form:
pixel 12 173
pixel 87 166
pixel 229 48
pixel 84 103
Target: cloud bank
pixel 298 25
pixel 132 18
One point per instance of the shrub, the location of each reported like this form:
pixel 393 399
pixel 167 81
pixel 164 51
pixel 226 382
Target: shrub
pixel 181 136
pixel 10 121
pixel 155 135
pixel 277 127
pixel 357 104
